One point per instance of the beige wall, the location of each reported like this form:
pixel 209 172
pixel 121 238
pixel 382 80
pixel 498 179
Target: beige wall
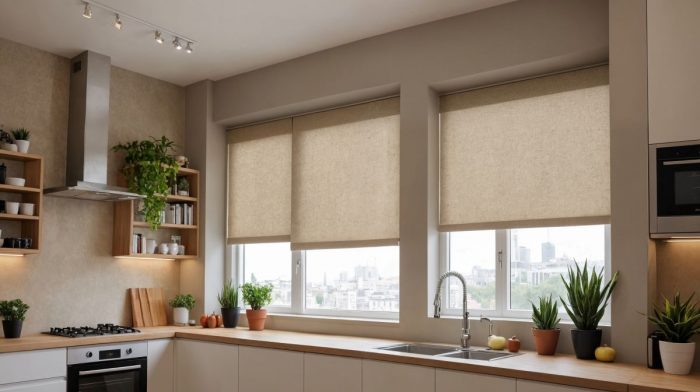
pixel 515 40
pixel 75 280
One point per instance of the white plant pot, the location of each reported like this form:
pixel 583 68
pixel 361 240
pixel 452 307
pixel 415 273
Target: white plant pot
pixel 22 145
pixel 8 147
pixel 181 316
pixel 677 358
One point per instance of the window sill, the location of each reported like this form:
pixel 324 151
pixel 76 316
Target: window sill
pixel 337 319
pixel 602 324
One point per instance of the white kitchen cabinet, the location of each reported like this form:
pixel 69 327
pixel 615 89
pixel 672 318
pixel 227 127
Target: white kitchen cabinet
pixel 52 385
pixel 536 386
pixel 32 365
pixel 205 366
pixel 454 381
pixel 270 370
pixel 380 376
pixel 324 373
pixel 161 361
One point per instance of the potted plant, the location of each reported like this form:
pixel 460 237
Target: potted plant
pixel 587 299
pixel 183 186
pixel 150 169
pixel 679 321
pixel 21 137
pixel 6 141
pixel 228 298
pixel 12 313
pixel 182 304
pixel 256 295
pixel 546 319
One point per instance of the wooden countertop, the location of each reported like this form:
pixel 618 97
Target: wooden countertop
pixel 561 369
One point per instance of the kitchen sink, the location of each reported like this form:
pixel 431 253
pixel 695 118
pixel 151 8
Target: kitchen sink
pixel 481 355
pixel 424 349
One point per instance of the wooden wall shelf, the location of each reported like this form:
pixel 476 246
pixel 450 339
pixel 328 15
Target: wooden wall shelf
pixel 31 168
pixel 125 226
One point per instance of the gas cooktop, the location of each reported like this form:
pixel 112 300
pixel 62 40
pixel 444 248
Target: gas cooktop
pixel 101 329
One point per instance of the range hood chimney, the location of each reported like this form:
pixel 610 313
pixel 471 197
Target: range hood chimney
pixel 88 128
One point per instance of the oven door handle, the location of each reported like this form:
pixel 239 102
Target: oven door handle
pixel 686 162
pixel 109 370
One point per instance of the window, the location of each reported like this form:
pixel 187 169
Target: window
pixel 269 264
pixel 506 269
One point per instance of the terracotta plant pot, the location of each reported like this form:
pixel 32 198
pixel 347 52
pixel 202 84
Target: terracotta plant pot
pixel 546 340
pixel 256 319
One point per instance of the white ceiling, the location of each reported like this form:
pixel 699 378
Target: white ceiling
pixel 234 36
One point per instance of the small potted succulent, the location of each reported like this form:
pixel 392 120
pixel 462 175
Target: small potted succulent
pixel 228 298
pixel 546 332
pixel 21 137
pixel 587 299
pixel 13 313
pixel 183 186
pixel 679 321
pixel 257 296
pixel 6 141
pixel 182 304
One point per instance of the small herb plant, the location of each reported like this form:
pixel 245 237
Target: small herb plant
pixel 183 301
pixel 678 320
pixel 20 134
pixel 228 298
pixel 257 295
pixel 183 184
pixel 150 169
pixel 546 316
pixel 6 138
pixel 13 310
pixel 587 296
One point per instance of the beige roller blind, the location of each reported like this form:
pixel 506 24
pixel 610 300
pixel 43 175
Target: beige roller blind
pixel 260 182
pixel 345 177
pixel 525 154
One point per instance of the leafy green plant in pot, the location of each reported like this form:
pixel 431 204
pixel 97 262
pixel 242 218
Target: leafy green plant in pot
pixel 546 319
pixel 21 137
pixel 149 169
pixel 182 304
pixel 587 299
pixel 6 141
pixel 679 321
pixel 256 296
pixel 13 313
pixel 228 298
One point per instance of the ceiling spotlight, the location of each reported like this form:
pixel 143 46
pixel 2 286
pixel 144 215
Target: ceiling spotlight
pixel 159 37
pixel 117 22
pixel 188 48
pixel 87 12
pixel 177 44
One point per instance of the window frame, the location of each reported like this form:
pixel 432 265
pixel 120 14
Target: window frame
pixel 298 305
pixel 503 266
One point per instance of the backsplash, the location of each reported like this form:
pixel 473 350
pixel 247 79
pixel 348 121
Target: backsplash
pixel 75 281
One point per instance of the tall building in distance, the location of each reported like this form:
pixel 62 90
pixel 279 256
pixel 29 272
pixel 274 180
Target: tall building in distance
pixel 548 252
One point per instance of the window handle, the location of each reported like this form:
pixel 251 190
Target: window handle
pixel 297 266
pixel 500 259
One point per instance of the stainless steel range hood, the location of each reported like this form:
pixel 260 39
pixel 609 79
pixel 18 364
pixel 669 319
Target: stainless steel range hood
pixel 88 127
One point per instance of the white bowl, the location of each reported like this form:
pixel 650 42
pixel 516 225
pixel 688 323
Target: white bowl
pixel 15 181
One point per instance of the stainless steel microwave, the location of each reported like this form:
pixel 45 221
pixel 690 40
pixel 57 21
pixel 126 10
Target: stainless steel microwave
pixel 674 190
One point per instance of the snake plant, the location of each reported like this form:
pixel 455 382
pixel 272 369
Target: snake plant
pixel 587 296
pixel 546 316
pixel 678 320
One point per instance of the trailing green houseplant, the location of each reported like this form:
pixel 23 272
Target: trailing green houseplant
pixel 679 320
pixel 546 319
pixel 228 298
pixel 13 313
pixel 149 169
pixel 257 296
pixel 182 304
pixel 587 297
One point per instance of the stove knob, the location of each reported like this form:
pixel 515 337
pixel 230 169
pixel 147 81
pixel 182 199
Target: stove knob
pixel 129 351
pixel 88 354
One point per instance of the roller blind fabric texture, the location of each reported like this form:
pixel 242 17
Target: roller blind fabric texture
pixel 525 154
pixel 260 183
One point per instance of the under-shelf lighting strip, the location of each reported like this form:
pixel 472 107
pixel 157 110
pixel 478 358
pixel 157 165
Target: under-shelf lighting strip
pixel 179 41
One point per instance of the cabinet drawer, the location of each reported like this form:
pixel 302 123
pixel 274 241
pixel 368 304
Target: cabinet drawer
pixel 55 385
pixel 32 365
pixel 535 386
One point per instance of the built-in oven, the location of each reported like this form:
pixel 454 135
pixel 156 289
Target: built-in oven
pixel 674 190
pixel 108 368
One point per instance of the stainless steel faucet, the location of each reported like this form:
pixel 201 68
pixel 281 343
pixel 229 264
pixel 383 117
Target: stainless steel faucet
pixel 465 314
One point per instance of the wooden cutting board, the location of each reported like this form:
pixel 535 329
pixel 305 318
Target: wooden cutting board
pixel 148 307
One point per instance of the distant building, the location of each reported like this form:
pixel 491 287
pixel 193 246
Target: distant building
pixel 524 254
pixel 548 252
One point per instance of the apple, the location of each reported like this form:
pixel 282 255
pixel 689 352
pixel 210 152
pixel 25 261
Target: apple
pixel 605 353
